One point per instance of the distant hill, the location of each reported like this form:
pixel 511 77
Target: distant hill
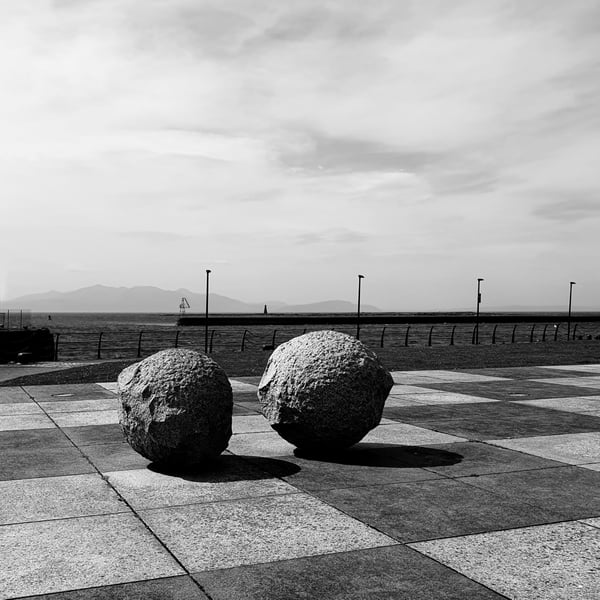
pixel 148 299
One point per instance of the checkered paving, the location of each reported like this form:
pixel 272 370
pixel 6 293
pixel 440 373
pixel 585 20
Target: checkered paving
pixel 477 484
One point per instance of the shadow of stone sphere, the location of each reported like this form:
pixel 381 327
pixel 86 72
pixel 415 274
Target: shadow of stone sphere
pixel 227 468
pixel 384 455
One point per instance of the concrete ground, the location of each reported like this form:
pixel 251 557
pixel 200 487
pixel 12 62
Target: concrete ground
pixel 477 484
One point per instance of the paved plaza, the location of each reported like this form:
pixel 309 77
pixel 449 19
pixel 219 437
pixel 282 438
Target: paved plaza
pixel 478 484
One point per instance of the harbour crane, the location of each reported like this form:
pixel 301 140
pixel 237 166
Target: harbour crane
pixel 183 305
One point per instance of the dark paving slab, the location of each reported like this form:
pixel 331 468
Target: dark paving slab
pixel 33 439
pixel 486 410
pixel 481 459
pixel 524 372
pixel 22 463
pixel 423 510
pixel 493 420
pixel 364 464
pixel 242 409
pixel 244 397
pixel 394 572
pixel 170 588
pixel 570 492
pixel 74 391
pixel 480 427
pixel 513 389
pixel 94 434
pixel 118 456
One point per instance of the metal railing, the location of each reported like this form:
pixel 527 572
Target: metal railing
pixel 136 343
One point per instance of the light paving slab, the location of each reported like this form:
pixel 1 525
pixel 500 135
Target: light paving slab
pixel 93 417
pixel 20 422
pixel 594 368
pixel 591 466
pixel 440 376
pixel 446 398
pixel 67 554
pixel 20 408
pixel 257 530
pixel 401 401
pixel 570 448
pixel 81 405
pixel 403 434
pixel 45 498
pixel 10 395
pixel 242 386
pixel 79 391
pixel 144 489
pixel 250 424
pixel 259 444
pixel 111 386
pixel 546 562
pixel 399 390
pixel 584 382
pixel 582 405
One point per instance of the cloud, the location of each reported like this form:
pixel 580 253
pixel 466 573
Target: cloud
pixel 331 236
pixel 155 237
pixel 571 208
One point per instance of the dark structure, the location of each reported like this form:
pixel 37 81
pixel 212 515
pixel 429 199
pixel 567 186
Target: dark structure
pixel 26 345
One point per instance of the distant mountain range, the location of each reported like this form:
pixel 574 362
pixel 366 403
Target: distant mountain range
pixel 148 299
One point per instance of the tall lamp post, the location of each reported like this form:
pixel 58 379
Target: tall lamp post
pixel 360 277
pixel 479 280
pixel 206 315
pixel 571 284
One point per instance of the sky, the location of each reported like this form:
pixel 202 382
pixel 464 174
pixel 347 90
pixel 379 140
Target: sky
pixel 290 146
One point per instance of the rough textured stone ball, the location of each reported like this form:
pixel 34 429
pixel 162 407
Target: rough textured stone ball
pixel 323 391
pixel 176 407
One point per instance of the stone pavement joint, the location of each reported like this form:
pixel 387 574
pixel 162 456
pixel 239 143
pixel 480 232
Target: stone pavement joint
pixel 477 484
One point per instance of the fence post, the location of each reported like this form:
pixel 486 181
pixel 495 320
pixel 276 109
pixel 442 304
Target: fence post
pixel 531 334
pixel 406 336
pixel 494 333
pixel 544 332
pixel 100 345
pixel 381 341
pixel 140 344
pixel 556 331
pixel 244 339
pixel 473 336
pixel 177 338
pixel 452 336
pixel 273 339
pixel 574 330
pixel 210 347
pixel 56 347
pixel 512 339
pixel 430 334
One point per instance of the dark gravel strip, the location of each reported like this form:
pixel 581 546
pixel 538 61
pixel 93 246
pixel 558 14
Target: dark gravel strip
pixel 403 359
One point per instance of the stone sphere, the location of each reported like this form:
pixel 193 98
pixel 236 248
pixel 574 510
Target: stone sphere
pixel 176 407
pixel 323 391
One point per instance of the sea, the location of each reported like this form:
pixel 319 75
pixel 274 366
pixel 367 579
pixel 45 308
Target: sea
pixel 125 335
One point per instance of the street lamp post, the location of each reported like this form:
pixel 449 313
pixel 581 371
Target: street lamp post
pixel 571 284
pixel 360 277
pixel 206 315
pixel 479 280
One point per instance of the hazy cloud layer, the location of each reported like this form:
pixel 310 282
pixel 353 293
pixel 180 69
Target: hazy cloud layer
pixel 298 144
